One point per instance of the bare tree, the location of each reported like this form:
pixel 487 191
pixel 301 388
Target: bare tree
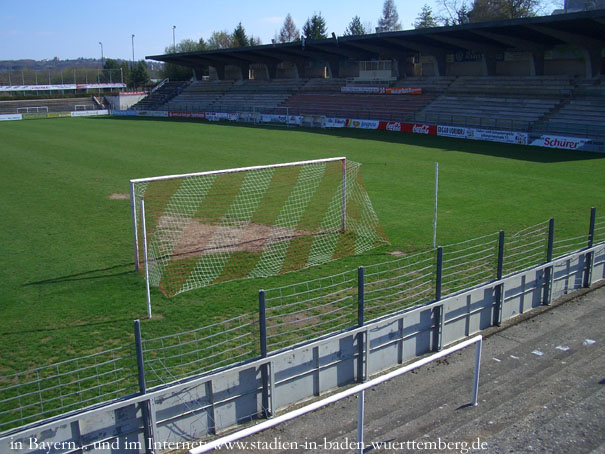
pixel 454 12
pixel 288 32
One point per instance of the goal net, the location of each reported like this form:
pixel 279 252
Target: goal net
pixel 218 226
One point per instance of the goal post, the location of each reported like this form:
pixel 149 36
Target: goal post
pixel 209 227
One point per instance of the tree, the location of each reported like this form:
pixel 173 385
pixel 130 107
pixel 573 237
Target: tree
pixel 240 39
pixel 177 72
pixel 255 41
pixel 355 28
pixel 288 32
pixel 456 12
pixel 315 27
pixel 488 10
pixel 125 67
pixel 220 40
pixel 186 45
pixel 139 76
pixel 460 12
pixel 425 18
pixel 390 18
pixel 111 71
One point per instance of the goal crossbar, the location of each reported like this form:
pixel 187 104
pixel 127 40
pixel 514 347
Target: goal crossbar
pixel 237 169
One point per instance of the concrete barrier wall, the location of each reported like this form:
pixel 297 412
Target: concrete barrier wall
pixel 187 411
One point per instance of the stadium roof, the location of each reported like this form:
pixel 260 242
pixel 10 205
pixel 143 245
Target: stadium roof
pixel 583 29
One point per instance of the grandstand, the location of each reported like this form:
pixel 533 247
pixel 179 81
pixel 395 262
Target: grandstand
pixel 539 75
pixel 198 96
pixel 375 107
pixel 556 104
pixel 158 97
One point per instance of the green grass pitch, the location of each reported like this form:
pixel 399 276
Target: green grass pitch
pixel 67 285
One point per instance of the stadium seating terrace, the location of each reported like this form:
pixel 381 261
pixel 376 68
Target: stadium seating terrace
pixel 540 73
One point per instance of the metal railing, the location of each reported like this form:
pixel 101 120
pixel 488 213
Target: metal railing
pixel 181 355
pixel 296 312
pixel 471 121
pixel 160 85
pixel 69 385
pixel 292 315
pixel 568 128
pixel 186 404
pixel 398 283
pixel 358 390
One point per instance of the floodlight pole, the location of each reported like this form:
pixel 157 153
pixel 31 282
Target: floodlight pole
pixel 435 210
pixel 132 38
pixel 132 73
pixel 146 262
pixel 102 56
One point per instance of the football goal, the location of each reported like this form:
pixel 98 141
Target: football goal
pixel 210 227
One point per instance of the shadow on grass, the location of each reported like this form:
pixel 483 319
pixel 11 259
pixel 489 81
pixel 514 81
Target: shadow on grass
pixel 495 149
pixel 86 275
pixel 64 328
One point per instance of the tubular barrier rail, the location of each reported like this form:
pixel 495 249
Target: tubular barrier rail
pixel 360 391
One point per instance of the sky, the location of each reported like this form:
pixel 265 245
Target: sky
pixel 68 29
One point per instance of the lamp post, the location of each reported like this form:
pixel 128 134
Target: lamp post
pixel 132 67
pixel 132 50
pixel 173 38
pixel 102 57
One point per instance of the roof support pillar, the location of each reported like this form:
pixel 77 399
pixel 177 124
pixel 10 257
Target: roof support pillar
pixel 272 70
pixel 334 67
pixel 245 70
pixel 592 60
pixel 536 63
pixel 220 71
pixel 488 62
pixel 439 64
pixel 401 67
pixel 300 69
pixel 198 72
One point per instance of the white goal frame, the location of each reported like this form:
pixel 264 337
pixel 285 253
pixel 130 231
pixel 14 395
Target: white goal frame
pixel 34 109
pixel 134 207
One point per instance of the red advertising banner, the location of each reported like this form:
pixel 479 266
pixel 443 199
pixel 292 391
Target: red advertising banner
pixel 415 128
pixel 403 91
